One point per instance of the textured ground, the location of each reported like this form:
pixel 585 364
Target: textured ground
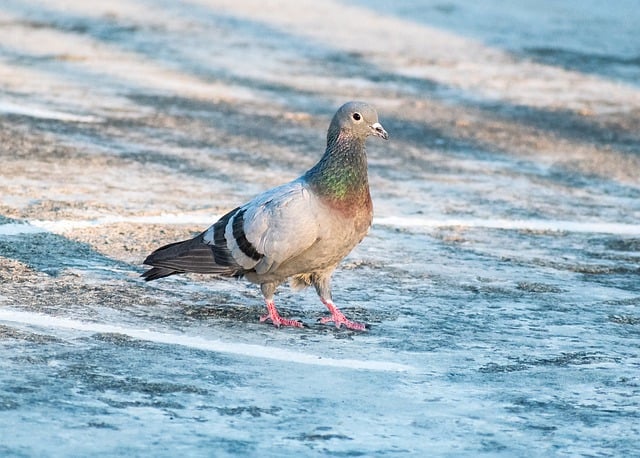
pixel 501 278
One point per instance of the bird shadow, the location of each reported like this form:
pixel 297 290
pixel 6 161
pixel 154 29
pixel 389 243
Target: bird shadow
pixel 51 253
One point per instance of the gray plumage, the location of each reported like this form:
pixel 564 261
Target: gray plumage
pixel 299 231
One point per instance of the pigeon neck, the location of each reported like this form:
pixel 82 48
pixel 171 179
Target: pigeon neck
pixel 340 177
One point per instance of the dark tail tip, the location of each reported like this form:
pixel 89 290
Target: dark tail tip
pixel 157 272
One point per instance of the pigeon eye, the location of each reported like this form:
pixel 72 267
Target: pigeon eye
pixel 356 116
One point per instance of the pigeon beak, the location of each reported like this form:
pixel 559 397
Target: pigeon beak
pixel 379 131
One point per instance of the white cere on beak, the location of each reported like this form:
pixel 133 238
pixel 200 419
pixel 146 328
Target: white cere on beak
pixel 379 130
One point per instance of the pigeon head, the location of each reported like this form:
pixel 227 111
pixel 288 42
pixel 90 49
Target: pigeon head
pixel 340 177
pixel 356 120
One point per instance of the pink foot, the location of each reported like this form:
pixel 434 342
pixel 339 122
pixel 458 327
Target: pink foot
pixel 338 318
pixel 276 319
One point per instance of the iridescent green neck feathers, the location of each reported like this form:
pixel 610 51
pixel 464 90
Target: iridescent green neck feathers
pixel 341 174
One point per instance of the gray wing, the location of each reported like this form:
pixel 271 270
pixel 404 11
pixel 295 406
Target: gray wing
pixel 274 227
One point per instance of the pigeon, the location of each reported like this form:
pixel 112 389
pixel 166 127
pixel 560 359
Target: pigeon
pixel 298 231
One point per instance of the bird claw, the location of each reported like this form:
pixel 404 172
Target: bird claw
pixel 277 320
pixel 339 319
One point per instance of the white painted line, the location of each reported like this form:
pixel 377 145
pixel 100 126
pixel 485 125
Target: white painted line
pixel 200 343
pixel 19 228
pixel 205 220
pixel 167 218
pixel 597 227
pixel 44 113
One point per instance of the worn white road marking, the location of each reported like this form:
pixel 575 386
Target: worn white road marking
pixel 408 222
pixel 45 113
pixel 200 343
pixel 597 227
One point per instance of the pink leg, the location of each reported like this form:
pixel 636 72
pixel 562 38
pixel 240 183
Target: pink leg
pixel 339 319
pixel 275 317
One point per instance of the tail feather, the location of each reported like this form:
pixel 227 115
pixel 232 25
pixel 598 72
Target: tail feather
pixel 158 272
pixel 193 255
